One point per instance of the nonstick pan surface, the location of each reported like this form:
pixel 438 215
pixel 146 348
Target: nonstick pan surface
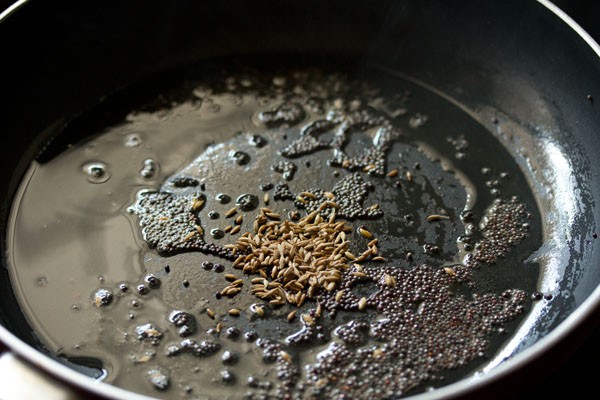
pixel 535 72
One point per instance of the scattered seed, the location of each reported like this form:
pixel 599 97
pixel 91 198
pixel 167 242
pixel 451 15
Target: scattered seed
pixel 389 280
pixel 291 316
pixel 321 383
pixel 238 261
pixel 234 312
pixel 393 173
pixel 285 356
pixel 273 215
pixel 437 217
pixel 308 320
pixel 449 271
pixel 362 303
pixel 210 313
pixel 319 310
pixel 266 198
pixel 331 204
pixel 235 229
pixel 301 299
pixel 239 219
pixel 189 236
pixel 197 204
pixel 378 353
pixel 231 212
pixel 369 167
pixel 365 233
pixel 257 309
pixel 232 291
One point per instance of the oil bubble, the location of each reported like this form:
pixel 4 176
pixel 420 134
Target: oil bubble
pixel 418 120
pixel 96 172
pixel 239 157
pixel 133 140
pixel 149 169
pixel 217 233
pixel 102 297
pixel 247 202
pixel 257 141
pixel 222 198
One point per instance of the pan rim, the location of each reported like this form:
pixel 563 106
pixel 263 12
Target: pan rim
pixel 12 9
pixel 572 24
pixel 582 315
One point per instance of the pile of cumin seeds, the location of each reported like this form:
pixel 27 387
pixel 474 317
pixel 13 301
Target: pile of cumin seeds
pixel 296 260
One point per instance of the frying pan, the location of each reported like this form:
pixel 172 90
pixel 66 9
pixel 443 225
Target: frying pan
pixel 521 59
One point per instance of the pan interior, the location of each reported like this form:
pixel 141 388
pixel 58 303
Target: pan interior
pixel 457 218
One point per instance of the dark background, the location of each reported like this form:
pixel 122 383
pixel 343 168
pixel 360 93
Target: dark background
pixel 585 12
pixel 576 373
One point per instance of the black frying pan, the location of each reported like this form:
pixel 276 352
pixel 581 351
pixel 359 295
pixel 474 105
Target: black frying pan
pixel 519 58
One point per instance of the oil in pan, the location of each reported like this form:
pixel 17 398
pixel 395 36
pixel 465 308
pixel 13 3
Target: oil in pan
pixel 285 233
